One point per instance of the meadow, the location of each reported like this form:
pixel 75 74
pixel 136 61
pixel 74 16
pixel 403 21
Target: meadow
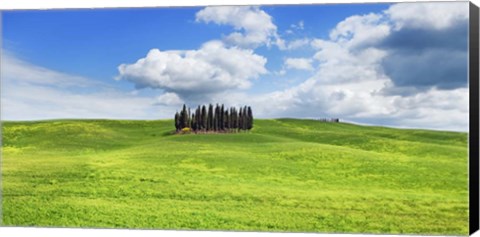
pixel 285 175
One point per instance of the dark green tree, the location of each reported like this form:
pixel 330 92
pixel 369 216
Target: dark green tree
pixel 183 117
pixel 217 118
pixel 240 119
pixel 226 120
pixel 198 116
pixel 235 119
pixel 177 121
pixel 210 118
pixel 250 118
pixel 189 118
pixel 245 118
pixel 204 118
pixel 193 123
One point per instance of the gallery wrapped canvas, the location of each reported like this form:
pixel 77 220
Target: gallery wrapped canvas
pixel 313 118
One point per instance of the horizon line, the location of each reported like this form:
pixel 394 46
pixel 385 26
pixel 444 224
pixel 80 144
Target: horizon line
pixel 277 118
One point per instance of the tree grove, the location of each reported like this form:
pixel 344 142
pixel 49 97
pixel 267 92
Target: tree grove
pixel 216 118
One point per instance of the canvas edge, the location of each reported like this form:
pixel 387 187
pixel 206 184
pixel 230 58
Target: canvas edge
pixel 474 177
pixel 474 119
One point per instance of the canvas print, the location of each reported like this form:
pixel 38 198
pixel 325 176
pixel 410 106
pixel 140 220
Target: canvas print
pixel 325 118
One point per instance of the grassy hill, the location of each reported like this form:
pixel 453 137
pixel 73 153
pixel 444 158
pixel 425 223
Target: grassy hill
pixel 284 175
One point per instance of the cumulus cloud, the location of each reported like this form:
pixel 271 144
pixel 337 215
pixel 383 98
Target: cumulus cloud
pixel 360 31
pixel 410 72
pixel 403 67
pixel 169 98
pixel 253 26
pixel 413 52
pixel 436 15
pixel 380 68
pixel 428 47
pixel 368 73
pixel 299 63
pixel 211 69
pixel 339 64
pixel 361 102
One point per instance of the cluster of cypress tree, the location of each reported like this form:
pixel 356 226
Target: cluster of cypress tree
pixel 215 119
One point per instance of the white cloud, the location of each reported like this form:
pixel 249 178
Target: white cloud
pixel 31 92
pixel 437 109
pixel 169 98
pixel 211 69
pixel 254 27
pixel 428 46
pixel 338 64
pixel 297 43
pixel 359 101
pixel 437 15
pixel 14 68
pixel 30 102
pixel 299 63
pixel 298 26
pixel 360 31
pixel 350 81
pixel 281 72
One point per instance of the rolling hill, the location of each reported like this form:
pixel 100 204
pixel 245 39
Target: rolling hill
pixel 285 175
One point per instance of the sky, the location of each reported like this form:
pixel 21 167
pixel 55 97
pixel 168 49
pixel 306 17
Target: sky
pixel 400 65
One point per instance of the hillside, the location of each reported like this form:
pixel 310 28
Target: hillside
pixel 284 175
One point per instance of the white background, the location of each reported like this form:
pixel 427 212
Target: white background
pixel 71 232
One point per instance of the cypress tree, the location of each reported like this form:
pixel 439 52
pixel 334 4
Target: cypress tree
pixel 222 118
pixel 177 124
pixel 183 117
pixel 198 116
pixel 210 117
pixel 230 120
pixel 245 118
pixel 236 122
pixel 242 116
pixel 193 123
pixel 226 120
pixel 216 118
pixel 204 118
pixel 219 120
pixel 250 118
pixel 180 120
pixel 189 118
pixel 240 119
pixel 233 118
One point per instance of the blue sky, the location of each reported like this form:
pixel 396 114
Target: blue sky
pixel 365 63
pixel 92 43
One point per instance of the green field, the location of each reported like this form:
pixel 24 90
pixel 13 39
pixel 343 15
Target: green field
pixel 284 175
